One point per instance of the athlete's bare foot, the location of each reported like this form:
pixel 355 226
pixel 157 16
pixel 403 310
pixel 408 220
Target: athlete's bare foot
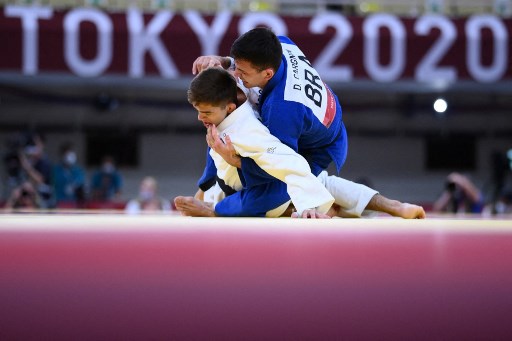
pixel 410 211
pixel 189 206
pixel 395 208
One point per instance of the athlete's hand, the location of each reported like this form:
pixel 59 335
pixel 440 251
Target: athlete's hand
pixel 226 150
pixel 311 214
pixel 205 62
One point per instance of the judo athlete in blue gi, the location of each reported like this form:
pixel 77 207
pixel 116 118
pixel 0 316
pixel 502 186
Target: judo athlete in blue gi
pixel 302 112
pixel 220 102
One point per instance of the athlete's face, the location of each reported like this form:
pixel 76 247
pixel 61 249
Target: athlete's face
pixel 251 76
pixel 213 114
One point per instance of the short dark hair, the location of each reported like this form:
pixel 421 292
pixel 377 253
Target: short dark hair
pixel 260 47
pixel 214 86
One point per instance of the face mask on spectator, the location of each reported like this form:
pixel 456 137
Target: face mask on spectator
pixel 70 158
pixel 146 195
pixel 108 168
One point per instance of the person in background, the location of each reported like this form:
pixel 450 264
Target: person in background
pixel 106 182
pixel 14 175
pixel 148 199
pixel 37 168
pixel 460 195
pixel 501 182
pixel 69 178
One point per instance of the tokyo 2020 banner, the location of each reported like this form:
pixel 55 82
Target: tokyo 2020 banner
pixel 89 42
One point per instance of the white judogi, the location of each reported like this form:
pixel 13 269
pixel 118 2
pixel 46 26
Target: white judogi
pixel 251 138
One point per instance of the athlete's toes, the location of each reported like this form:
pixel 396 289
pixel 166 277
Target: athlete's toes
pixel 180 201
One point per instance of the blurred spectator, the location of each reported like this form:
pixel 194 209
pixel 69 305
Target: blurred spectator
pixel 38 168
pixel 24 196
pixel 148 199
pixel 459 195
pixel 69 178
pixel 14 175
pixel 501 167
pixel 106 182
pixel 25 160
pixel 502 204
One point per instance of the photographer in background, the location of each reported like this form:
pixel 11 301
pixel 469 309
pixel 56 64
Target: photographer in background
pixel 13 171
pixel 26 161
pixel 460 195
pixel 501 180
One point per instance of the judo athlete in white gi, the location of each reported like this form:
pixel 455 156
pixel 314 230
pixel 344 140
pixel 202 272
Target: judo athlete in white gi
pixel 302 112
pixel 213 93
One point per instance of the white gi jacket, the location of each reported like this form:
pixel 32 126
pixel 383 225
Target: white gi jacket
pixel 251 138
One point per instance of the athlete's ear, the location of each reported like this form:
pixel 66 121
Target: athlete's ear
pixel 269 73
pixel 231 107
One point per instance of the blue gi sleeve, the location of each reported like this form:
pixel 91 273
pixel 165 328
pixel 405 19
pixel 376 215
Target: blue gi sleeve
pixel 252 175
pixel 208 178
pixel 255 201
